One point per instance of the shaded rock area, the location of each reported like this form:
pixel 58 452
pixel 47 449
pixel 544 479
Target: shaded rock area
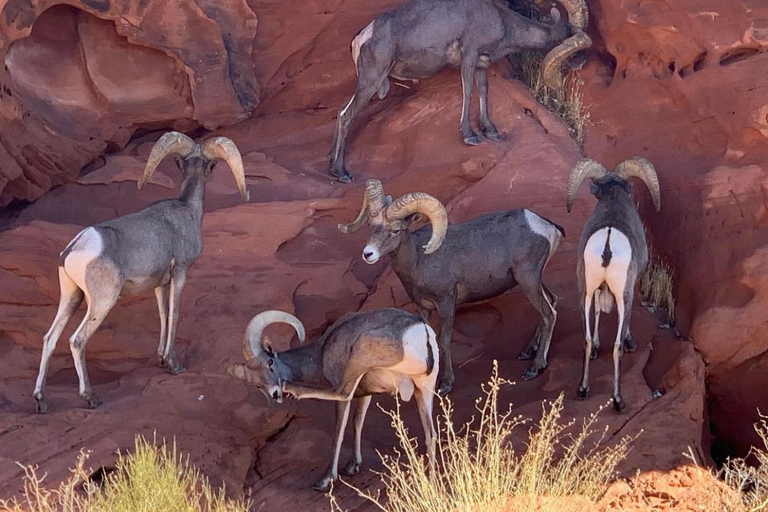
pixel 82 78
pixel 701 128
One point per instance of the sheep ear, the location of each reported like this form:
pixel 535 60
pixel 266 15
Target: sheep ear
pixel 266 344
pixel 179 163
pixel 237 371
pixel 388 200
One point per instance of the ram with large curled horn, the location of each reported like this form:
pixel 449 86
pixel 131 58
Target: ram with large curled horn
pixel 612 254
pixel 442 266
pixel 362 354
pixel 422 37
pixel 151 249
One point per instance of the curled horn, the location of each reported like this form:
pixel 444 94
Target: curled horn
pixel 639 167
pixel 584 168
pixel 171 142
pixel 373 203
pixel 252 344
pixel 419 202
pixel 225 149
pixel 578 15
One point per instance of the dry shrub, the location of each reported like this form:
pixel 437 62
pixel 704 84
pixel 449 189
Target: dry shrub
pixel 566 101
pixel 478 469
pixel 751 481
pixel 151 478
pixel 656 285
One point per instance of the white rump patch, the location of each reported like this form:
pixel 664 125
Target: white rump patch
pixel 544 228
pixel 615 274
pixel 415 352
pixel 83 249
pixel 360 39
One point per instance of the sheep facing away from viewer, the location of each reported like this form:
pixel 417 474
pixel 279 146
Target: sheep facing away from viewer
pixel 612 255
pixel 150 249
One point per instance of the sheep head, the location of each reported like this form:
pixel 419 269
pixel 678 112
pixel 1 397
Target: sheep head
pixel 389 220
pixel 196 158
pixel 635 166
pixel 578 15
pixel 262 366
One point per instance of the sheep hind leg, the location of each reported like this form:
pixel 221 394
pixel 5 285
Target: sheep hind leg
pixel 468 65
pixel 530 281
pixel 447 312
pixel 98 307
pixel 71 298
pixel 179 277
pixel 424 401
pixel 630 345
pixel 353 466
pixel 583 391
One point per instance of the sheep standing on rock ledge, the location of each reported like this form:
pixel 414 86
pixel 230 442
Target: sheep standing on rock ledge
pixel 422 37
pixel 381 351
pixel 612 255
pixel 468 262
pixel 150 249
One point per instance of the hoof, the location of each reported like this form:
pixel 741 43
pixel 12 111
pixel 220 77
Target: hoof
pixel 532 372
pixel 491 134
pixel 444 388
pixel 619 404
pixel 472 140
pixel 42 406
pixel 324 484
pixel 175 368
pixel 343 176
pixel 161 362
pixel 527 354
pixel 582 393
pixel 593 354
pixel 93 401
pixel 630 345
pixel 352 468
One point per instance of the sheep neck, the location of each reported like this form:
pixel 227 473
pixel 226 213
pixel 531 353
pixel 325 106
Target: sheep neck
pixel 192 193
pixel 303 364
pixel 406 257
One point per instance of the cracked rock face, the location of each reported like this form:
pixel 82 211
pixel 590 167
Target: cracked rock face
pixel 80 79
pixel 282 250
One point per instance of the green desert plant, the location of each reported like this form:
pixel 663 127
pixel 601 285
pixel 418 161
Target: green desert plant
pixel 478 469
pixel 152 478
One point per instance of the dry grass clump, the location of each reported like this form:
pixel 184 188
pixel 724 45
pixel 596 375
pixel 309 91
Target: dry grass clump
pixel 656 285
pixel 566 102
pixel 478 469
pixel 149 479
pixel 751 481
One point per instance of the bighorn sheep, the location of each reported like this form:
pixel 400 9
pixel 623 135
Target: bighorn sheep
pixel 382 351
pixel 612 255
pixel 422 37
pixel 462 263
pixel 150 249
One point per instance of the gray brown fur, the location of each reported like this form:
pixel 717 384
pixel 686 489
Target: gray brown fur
pixel 151 249
pixel 615 209
pixel 478 259
pixel 421 38
pixel 355 358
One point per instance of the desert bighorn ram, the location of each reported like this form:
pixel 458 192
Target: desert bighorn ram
pixel 461 263
pixel 422 37
pixel 362 354
pixel 150 249
pixel 612 254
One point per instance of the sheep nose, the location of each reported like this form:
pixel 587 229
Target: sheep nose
pixel 367 254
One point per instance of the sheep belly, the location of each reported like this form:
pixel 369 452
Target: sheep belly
pixel 387 381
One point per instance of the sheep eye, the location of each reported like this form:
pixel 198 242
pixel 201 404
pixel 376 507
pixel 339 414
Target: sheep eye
pixel 395 232
pixel 270 363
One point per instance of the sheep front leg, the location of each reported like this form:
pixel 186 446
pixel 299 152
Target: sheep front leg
pixel 161 294
pixel 488 128
pixel 342 415
pixel 178 278
pixel 447 312
pixel 468 65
